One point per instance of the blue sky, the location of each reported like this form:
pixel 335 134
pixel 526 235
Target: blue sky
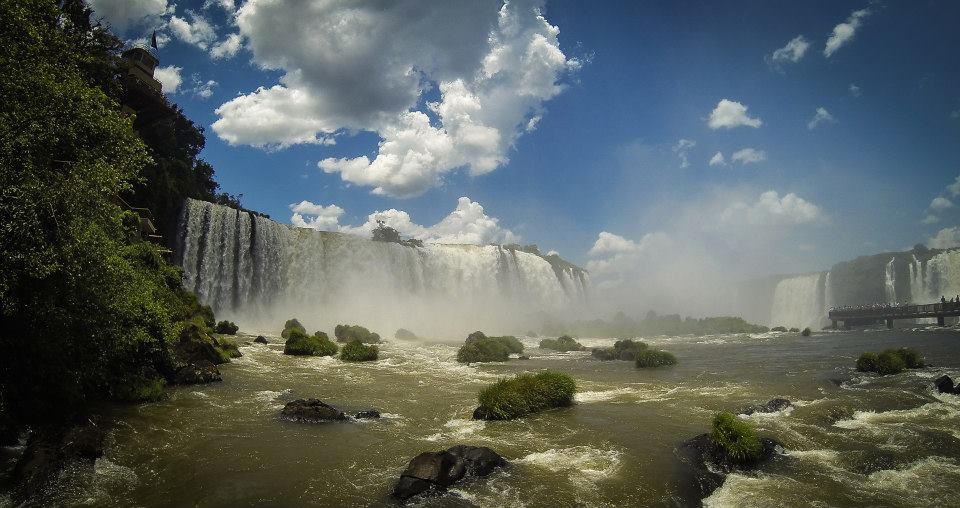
pixel 631 81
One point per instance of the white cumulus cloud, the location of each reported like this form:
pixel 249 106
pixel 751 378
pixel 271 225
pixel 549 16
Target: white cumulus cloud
pixel 349 67
pixel 226 48
pixel 468 223
pixel 792 52
pixel 122 15
pixel 196 31
pixel 940 203
pixel 771 209
pixel 169 78
pixel 748 156
pixel 729 114
pixel 718 159
pixel 946 238
pixel 821 116
pixel 844 32
pixel 610 243
pixel 682 148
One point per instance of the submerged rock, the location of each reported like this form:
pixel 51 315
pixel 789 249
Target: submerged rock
pixel 261 340
pixel 944 384
pixel 772 406
pixel 198 372
pixel 50 450
pixel 367 414
pixel 312 410
pixel 709 465
pixel 436 471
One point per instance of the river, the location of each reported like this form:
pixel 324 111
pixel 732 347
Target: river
pixel 852 439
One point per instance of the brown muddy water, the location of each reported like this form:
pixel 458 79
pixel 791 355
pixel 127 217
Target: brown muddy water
pixel 852 439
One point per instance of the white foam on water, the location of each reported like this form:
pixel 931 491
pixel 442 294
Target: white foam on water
pixel 763 491
pixel 930 416
pixel 458 428
pixel 581 463
pixel 930 481
pixel 626 394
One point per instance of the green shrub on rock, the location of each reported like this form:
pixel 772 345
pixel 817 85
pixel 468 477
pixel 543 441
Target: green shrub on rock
pixel 736 437
pixel 404 334
pixel 778 329
pixel 911 357
pixel 480 348
pixel 524 394
pixel 301 344
pixel 562 343
pixel 890 361
pixel 867 362
pixel 290 325
pixel 805 332
pixel 625 349
pixel 227 328
pixel 356 351
pixel 348 333
pixel 654 358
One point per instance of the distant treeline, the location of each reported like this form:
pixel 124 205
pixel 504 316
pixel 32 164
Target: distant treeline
pixel 624 326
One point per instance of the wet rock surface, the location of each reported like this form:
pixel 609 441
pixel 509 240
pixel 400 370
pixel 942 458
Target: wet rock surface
pixel 432 472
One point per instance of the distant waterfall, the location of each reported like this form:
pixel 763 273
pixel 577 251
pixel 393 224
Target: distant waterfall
pixel 798 302
pixel 918 289
pixel 889 282
pixel 253 269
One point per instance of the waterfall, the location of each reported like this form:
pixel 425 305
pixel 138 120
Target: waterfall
pixel 260 272
pixel 918 290
pixel 889 282
pixel 798 302
pixel 829 300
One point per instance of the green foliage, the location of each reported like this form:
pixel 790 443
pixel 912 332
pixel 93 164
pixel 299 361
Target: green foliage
pixel 794 330
pixel 526 393
pixel 736 437
pixel 140 388
pixel 890 361
pixel 291 325
pixel 480 348
pixel 779 329
pixel 654 358
pixel 227 328
pixel 625 349
pixel 404 334
pixel 300 344
pixel 562 343
pixel 621 325
pixel 805 332
pixel 356 351
pixel 348 333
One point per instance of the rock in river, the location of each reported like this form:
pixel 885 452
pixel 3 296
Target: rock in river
pixel 944 384
pixel 261 340
pixel 312 410
pixel 772 406
pixel 367 414
pixel 708 464
pixel 436 471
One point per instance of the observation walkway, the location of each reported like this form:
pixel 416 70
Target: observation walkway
pixel 853 316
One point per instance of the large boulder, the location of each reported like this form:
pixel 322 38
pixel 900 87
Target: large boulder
pixel 261 340
pixel 436 471
pixel 312 410
pixel 198 372
pixel 196 345
pixel 50 450
pixel 772 406
pixel 367 414
pixel 944 384
pixel 708 464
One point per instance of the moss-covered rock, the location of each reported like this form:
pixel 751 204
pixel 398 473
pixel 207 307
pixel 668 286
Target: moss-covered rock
pixel 562 343
pixel 778 329
pixel 625 349
pixel 647 358
pixel 227 328
pixel 356 351
pixel 290 325
pixel 301 344
pixel 736 437
pixel 524 394
pixel 890 361
pixel 404 334
pixel 805 332
pixel 349 333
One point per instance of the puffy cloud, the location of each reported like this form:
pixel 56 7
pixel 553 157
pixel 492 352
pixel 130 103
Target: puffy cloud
pixel 729 114
pixel 748 156
pixel 821 116
pixel 718 159
pixel 468 223
pixel 946 238
pixel 169 78
pixel 940 203
pixel 682 147
pixel 954 188
pixel 930 219
pixel 122 15
pixel 854 90
pixel 227 48
pixel 351 67
pixel 609 243
pixel 844 32
pixel 197 31
pixel 227 5
pixel 792 52
pixel 202 89
pixel 771 209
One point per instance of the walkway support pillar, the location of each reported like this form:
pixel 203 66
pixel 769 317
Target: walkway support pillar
pixel 889 322
pixel 940 321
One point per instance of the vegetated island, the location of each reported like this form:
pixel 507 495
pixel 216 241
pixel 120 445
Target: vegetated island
pixel 622 325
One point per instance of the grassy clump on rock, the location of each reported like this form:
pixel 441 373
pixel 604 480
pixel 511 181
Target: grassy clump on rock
pixel 301 344
pixel 654 358
pixel 736 437
pixel 404 334
pixel 349 333
pixel 480 348
pixel 356 351
pixel 291 325
pixel 778 329
pixel 890 361
pixel 227 328
pixel 562 343
pixel 625 349
pixel 805 332
pixel 524 394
